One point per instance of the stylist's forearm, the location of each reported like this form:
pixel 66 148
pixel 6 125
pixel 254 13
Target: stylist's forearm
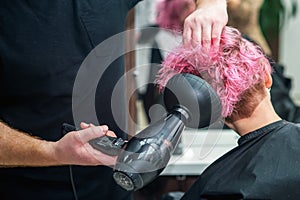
pixel 20 149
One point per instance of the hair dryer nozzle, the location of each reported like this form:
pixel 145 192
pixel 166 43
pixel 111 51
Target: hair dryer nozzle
pixel 196 96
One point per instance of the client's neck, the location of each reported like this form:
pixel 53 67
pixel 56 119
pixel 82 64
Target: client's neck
pixel 263 115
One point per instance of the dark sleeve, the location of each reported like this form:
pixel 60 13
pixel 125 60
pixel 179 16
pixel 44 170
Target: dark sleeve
pixel 132 3
pixel 194 192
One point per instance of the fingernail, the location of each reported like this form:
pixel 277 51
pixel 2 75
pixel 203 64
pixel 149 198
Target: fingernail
pixel 104 128
pixel 83 123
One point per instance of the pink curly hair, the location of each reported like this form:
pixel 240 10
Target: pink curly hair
pixel 171 13
pixel 237 66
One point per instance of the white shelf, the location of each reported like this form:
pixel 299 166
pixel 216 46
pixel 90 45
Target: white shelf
pixel 200 149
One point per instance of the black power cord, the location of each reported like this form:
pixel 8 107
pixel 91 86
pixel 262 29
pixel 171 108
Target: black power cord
pixel 73 183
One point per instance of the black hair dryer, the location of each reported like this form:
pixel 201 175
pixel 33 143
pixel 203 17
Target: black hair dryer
pixel 190 101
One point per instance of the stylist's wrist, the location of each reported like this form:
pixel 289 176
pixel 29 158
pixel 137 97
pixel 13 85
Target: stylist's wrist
pixel 49 150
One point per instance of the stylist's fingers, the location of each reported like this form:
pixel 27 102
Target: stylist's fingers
pixel 205 24
pixel 216 35
pixel 196 37
pixel 107 132
pixel 91 132
pixel 206 37
pixel 187 34
pixel 197 30
pixel 84 125
pixel 192 31
pixel 110 134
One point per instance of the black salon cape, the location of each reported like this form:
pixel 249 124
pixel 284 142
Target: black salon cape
pixel 265 165
pixel 42 45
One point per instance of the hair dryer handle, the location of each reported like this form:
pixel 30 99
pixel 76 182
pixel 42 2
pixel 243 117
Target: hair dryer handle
pixel 148 153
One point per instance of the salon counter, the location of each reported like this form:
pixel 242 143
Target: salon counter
pixel 199 149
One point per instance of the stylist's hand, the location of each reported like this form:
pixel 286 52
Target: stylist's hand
pixel 74 148
pixel 204 26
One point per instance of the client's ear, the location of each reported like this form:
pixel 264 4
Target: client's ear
pixel 268 81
